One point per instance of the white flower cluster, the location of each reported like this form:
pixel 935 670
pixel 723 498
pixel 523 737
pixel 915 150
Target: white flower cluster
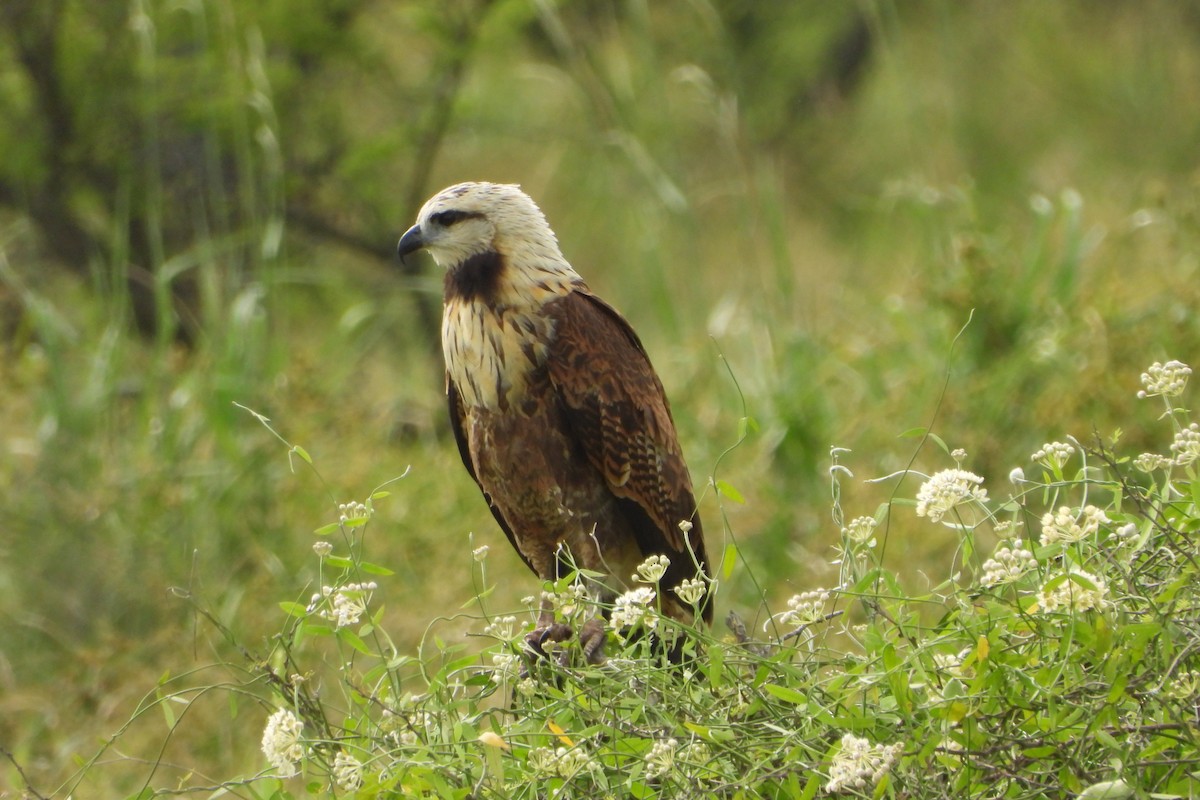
pixel 652 569
pixel 1007 564
pixel 1148 462
pixel 1186 684
pixel 661 758
pixel 1186 446
pixel 951 662
pixel 633 608
pixel 1061 526
pixel 347 772
pixel 480 553
pixel 281 743
pixel 502 628
pixel 946 490
pixel 859 764
pixel 803 609
pixel 342 605
pixel 505 666
pixel 1053 455
pixel 322 548
pixel 571 602
pixel 860 530
pixel 1080 591
pixel 691 590
pixel 352 511
pixel 564 762
pixel 1166 380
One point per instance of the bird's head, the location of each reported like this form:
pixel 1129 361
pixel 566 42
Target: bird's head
pixel 471 220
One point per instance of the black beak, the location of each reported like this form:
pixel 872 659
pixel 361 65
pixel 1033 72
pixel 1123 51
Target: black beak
pixel 410 242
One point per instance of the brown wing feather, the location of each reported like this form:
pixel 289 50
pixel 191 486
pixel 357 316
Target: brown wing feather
pixel 457 418
pixel 616 406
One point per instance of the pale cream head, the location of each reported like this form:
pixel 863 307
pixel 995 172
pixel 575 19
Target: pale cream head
pixel 468 219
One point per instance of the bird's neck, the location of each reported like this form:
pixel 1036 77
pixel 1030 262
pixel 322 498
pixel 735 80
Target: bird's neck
pixel 494 330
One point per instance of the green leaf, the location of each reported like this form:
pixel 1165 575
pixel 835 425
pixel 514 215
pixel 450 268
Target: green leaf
pixel 374 569
pixel 1107 790
pixel 913 433
pixel 294 609
pixel 746 426
pixel 164 703
pixel 351 638
pixel 728 561
pixel 300 451
pixel 381 494
pixel 326 530
pixel 725 488
pixel 339 562
pixel 786 694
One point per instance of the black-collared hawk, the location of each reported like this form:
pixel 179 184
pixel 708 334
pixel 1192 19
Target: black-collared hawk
pixel 556 409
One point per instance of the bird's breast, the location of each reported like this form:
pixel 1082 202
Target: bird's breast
pixel 491 353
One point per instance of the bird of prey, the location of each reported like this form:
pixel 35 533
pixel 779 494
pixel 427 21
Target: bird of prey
pixel 557 412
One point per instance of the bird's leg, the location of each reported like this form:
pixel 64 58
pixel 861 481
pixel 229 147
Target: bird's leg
pixel 591 640
pixel 547 630
pixel 592 636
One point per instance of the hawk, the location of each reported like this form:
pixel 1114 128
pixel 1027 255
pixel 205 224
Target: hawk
pixel 558 414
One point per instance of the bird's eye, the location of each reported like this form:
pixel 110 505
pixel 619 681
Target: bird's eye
pixel 451 216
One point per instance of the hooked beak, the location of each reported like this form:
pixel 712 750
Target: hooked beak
pixel 410 242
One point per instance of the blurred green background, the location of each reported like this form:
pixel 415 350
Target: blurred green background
pixel 798 205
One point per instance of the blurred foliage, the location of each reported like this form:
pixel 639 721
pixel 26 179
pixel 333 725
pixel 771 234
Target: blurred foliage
pixel 199 200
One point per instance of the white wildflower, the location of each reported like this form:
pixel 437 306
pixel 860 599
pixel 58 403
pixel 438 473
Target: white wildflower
pixel 1148 462
pixel 959 455
pixel 342 605
pixel 1004 528
pixel 859 765
pixel 1073 592
pixel 281 743
pixel 480 553
pixel 1186 684
pixel 691 590
pixel 322 548
pixel 946 490
pixel 571 602
pixel 652 569
pixel 541 761
pixel 1009 562
pixel 861 530
pixel 695 752
pixel 347 772
pixel 505 666
pixel 803 609
pixel 502 628
pixel 661 758
pixel 1016 476
pixel 353 512
pixel 633 608
pixel 1126 535
pixel 562 763
pixel 1167 380
pixel 1053 455
pixel 1186 446
pixel 1062 526
pixel 952 663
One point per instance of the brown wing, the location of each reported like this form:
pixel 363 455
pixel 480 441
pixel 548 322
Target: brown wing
pixel 457 415
pixel 619 415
